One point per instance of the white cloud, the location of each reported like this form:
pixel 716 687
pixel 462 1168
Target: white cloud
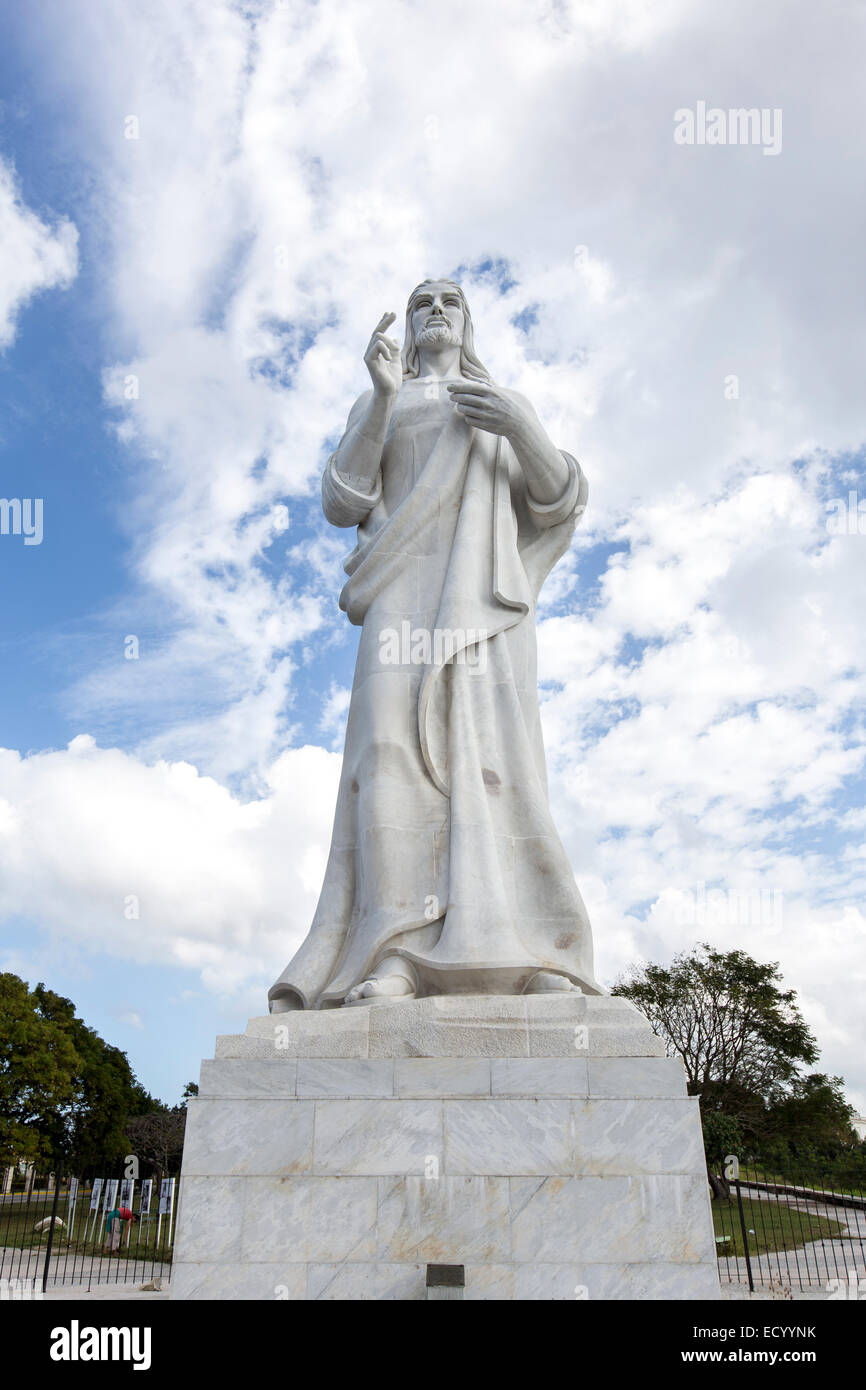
pixel 131 1017
pixel 34 256
pixel 335 712
pixel 157 864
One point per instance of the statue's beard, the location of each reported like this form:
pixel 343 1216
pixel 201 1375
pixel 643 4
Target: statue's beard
pixel 438 335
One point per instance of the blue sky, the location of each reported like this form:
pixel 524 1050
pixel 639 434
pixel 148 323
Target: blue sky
pixel 183 316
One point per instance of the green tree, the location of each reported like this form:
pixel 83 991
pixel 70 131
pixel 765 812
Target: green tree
pixel 723 1135
pixel 743 1042
pixel 38 1064
pixel 816 1112
pixel 156 1139
pixel 89 1127
pixel 65 1094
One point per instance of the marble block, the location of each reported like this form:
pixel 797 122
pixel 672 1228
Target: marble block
pixel 546 1144
pixel 464 1026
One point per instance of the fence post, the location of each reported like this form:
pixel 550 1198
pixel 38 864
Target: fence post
pixel 57 1180
pixel 745 1236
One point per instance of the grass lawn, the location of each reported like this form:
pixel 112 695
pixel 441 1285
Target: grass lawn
pixel 776 1226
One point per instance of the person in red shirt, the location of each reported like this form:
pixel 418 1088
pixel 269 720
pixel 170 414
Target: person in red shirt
pixel 115 1226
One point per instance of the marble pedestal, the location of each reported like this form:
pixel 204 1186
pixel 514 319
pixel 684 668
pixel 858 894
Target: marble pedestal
pixel 545 1143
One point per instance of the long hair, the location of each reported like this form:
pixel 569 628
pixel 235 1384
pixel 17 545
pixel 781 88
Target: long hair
pixel 470 366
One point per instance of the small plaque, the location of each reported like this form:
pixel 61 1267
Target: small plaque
pixel 445 1277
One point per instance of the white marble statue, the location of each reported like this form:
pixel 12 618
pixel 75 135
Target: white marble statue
pixel 446 874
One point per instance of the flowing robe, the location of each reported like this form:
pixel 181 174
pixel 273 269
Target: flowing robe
pixel 444 851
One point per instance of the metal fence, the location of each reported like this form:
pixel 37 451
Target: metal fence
pixel 62 1232
pixel 792 1234
pixel 780 1233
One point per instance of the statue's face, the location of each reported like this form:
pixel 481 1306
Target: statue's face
pixel 437 316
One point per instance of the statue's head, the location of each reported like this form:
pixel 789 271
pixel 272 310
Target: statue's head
pixel 437 315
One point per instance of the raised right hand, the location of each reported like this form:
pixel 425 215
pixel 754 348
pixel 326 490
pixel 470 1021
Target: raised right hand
pixel 383 359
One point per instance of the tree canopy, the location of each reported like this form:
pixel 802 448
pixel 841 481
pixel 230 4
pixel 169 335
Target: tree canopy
pixel 65 1094
pixel 744 1044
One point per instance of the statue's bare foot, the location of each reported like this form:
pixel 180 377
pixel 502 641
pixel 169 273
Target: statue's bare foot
pixel 392 986
pixel 392 978
pixel 549 982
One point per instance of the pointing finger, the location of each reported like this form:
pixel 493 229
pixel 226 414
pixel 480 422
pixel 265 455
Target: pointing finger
pixel 385 322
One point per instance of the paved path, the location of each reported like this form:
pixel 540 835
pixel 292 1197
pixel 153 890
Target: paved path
pixel 107 1293
pixel 79 1271
pixel 823 1266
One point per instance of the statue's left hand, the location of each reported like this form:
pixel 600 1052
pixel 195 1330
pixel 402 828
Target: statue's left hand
pixel 489 407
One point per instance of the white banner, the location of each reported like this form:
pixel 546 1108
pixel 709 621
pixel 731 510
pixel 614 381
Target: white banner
pixel 146 1190
pixel 127 1187
pixel 166 1196
pixel 96 1193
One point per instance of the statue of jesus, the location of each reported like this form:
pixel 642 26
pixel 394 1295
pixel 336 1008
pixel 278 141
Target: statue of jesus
pixel 446 874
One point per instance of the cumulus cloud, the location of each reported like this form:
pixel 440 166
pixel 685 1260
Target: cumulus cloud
pixel 158 864
pixel 704 727
pixel 34 255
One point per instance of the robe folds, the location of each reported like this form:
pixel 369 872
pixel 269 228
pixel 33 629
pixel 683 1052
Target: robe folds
pixel 444 851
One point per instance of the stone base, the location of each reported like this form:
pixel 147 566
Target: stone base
pixel 545 1143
